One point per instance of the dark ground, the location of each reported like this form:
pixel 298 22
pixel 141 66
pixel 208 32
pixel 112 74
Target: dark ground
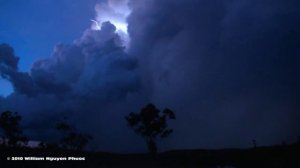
pixel 281 156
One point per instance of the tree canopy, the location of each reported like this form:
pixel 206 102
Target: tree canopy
pixel 9 123
pixel 151 123
pixel 72 139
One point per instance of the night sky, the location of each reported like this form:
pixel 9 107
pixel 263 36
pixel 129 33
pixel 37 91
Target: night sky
pixel 230 69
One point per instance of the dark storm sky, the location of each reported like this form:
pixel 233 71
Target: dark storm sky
pixel 229 69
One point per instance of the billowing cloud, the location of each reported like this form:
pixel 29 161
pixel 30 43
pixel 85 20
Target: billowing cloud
pixel 85 81
pixel 116 12
pixel 9 70
pixel 7 57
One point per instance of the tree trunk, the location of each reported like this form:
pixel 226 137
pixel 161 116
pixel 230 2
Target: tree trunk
pixel 152 147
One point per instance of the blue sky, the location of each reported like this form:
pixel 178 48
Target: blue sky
pixel 33 27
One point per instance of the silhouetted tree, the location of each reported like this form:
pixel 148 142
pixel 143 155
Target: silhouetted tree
pixel 9 123
pixel 254 143
pixel 150 123
pixel 298 139
pixel 72 139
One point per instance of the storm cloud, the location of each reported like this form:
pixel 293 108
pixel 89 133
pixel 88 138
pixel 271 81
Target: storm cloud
pixel 83 81
pixel 230 71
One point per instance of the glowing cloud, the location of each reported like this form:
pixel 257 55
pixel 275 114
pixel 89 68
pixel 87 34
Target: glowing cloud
pixel 116 12
pixel 96 25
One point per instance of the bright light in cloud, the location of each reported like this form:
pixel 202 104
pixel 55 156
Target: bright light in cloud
pixel 96 25
pixel 116 12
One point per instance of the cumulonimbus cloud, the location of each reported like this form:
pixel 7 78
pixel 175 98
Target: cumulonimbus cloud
pixel 82 80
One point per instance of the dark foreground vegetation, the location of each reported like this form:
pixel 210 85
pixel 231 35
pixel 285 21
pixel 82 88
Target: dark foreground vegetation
pixel 281 156
pixel 151 124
